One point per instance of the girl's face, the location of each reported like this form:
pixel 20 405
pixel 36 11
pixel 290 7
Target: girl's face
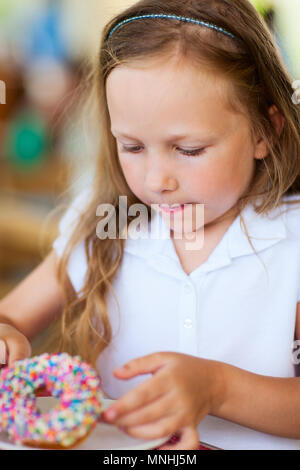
pixel 178 141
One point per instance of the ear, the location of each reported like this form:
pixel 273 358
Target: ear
pixel 278 121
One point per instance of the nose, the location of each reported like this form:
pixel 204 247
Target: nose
pixel 159 178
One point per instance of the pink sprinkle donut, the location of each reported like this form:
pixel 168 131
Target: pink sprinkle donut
pixel 74 382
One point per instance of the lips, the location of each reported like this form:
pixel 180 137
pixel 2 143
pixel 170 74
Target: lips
pixel 174 207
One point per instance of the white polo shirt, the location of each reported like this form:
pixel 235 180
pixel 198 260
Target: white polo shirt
pixel 227 309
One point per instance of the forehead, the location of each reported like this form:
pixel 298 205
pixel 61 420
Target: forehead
pixel 161 92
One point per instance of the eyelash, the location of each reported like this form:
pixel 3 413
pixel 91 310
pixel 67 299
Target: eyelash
pixel 187 153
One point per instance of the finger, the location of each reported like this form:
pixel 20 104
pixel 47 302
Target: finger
pixel 164 427
pixel 140 396
pixel 3 353
pixel 162 406
pixel 143 365
pixel 17 350
pixel 189 440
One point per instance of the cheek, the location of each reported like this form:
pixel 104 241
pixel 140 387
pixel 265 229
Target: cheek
pixel 132 173
pixel 205 181
pixel 128 168
pixel 221 176
pixel 240 172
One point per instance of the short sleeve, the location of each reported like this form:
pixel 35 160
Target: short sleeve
pixel 292 225
pixel 69 220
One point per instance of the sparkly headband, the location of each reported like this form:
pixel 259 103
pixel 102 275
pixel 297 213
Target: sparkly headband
pixel 173 17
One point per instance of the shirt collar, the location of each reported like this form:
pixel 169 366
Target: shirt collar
pixel 263 230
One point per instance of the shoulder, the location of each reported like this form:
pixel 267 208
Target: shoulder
pixel 291 214
pixel 80 201
pixel 70 219
pixel 75 208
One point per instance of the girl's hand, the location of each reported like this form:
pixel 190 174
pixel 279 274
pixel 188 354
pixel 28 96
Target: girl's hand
pixel 13 345
pixel 181 392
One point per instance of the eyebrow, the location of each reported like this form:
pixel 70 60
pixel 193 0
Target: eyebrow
pixel 171 137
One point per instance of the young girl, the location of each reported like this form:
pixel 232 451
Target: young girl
pixel 196 109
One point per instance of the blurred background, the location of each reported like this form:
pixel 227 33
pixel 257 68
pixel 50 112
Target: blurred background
pixel 48 139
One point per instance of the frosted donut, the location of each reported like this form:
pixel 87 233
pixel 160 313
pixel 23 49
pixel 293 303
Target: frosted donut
pixel 71 380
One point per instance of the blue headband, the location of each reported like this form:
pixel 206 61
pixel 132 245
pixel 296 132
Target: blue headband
pixel 173 17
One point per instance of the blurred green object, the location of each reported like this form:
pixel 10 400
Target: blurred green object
pixel 27 142
pixel 263 6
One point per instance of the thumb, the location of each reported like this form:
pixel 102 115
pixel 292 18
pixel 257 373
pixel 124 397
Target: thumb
pixel 17 350
pixel 3 353
pixel 189 440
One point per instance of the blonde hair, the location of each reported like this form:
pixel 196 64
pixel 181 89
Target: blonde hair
pixel 252 64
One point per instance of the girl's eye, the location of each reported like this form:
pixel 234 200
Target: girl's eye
pixel 192 153
pixel 189 153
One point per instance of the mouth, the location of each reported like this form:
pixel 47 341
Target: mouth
pixel 174 207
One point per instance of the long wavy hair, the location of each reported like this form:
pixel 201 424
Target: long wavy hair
pixel 259 78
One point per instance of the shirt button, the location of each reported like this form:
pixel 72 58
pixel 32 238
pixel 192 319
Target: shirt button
pixel 187 288
pixel 188 323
